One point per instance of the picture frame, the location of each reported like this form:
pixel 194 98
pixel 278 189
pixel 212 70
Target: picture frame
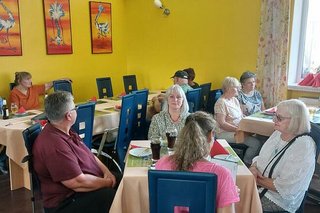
pixel 101 27
pixel 10 34
pixel 57 20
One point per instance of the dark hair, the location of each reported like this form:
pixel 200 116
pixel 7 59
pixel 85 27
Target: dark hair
pixel 191 73
pixel 246 75
pixel 19 76
pixel 192 144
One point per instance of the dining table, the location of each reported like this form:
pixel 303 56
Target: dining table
pixel 133 194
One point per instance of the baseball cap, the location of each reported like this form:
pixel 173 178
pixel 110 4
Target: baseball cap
pixel 246 75
pixel 180 74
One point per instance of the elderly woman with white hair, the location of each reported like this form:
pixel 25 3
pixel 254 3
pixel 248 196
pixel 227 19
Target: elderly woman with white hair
pixel 228 113
pixel 285 165
pixel 174 113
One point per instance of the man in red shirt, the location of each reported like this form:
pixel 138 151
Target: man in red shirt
pixel 72 179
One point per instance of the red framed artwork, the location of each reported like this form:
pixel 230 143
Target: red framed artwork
pixel 57 26
pixel 100 23
pixel 10 34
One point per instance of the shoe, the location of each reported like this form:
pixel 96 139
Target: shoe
pixel 3 171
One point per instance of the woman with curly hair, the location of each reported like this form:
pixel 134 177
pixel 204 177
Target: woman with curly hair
pixel 191 152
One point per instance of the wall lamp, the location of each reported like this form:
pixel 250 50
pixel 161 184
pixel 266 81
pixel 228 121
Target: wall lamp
pixel 159 5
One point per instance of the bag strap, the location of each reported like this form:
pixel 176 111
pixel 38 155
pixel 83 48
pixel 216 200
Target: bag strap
pixel 280 154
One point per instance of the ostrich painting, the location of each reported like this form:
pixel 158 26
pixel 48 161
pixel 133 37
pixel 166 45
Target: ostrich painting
pixel 103 28
pixel 56 13
pixel 6 23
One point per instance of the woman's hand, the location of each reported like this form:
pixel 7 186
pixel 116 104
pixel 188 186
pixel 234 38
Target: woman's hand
pixel 256 173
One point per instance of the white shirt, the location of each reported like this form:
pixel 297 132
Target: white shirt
pixel 292 174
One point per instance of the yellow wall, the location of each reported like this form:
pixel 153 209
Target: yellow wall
pixel 215 37
pixel 81 66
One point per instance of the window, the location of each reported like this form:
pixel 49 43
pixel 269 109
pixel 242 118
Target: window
pixel 305 40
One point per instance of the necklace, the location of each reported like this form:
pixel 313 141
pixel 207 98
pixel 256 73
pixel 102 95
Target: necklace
pixel 174 120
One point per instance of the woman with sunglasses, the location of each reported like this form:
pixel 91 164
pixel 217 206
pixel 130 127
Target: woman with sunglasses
pixel 285 165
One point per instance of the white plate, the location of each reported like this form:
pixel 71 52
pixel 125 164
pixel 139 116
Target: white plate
pixel 227 157
pixel 140 152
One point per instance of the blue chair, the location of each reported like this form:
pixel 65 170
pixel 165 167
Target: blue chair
pixel 139 121
pixel 194 190
pixel 84 122
pixel 130 83
pixel 29 135
pixel 313 193
pixel 193 98
pixel 205 90
pixel 214 95
pixel 125 127
pixel 62 85
pixel 104 87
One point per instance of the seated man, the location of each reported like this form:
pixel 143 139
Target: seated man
pixel 181 78
pixel 72 179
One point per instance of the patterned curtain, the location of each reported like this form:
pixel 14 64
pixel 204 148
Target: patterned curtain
pixel 272 62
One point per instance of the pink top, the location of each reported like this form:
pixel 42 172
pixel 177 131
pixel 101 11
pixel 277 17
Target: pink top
pixel 226 188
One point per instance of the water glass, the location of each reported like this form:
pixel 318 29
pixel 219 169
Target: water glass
pixel 14 108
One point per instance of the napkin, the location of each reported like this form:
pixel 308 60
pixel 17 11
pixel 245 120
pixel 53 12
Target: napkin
pixel 307 81
pixel 316 81
pixel 217 149
pixel 94 99
pixel 21 110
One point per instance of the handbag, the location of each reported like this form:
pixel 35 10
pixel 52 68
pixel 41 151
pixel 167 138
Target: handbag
pixel 279 155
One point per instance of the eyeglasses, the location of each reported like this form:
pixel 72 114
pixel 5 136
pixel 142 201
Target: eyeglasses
pixel 75 108
pixel 279 118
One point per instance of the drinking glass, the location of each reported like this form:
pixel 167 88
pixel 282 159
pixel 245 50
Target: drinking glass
pixel 171 133
pixel 14 108
pixel 155 145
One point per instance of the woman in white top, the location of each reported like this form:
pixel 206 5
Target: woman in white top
pixel 285 187
pixel 228 114
pixel 250 99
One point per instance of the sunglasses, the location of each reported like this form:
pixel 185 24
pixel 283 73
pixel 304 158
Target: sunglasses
pixel 279 118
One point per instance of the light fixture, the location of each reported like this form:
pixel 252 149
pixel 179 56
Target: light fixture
pixel 159 4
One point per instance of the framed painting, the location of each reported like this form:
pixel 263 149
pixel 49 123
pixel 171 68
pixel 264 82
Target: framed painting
pixel 10 34
pixel 57 22
pixel 100 23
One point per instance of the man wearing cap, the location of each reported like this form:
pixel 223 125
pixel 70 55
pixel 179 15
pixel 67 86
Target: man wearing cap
pixel 250 99
pixel 181 78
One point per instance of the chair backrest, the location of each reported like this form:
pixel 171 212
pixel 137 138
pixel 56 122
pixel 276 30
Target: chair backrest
pixel 205 90
pixel 125 127
pixel 130 83
pixel 84 122
pixel 193 190
pixel 11 85
pixel 315 134
pixel 29 135
pixel 214 95
pixel 104 87
pixel 193 98
pixel 140 131
pixel 62 85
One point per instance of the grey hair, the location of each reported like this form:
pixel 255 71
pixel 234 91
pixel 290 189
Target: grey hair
pixel 229 82
pixel 297 110
pixel 57 104
pixel 192 144
pixel 177 89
